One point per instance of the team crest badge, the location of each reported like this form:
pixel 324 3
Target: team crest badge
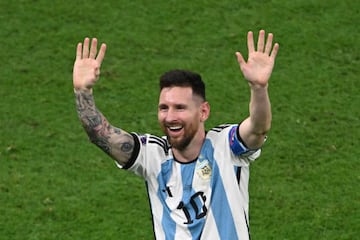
pixel 203 169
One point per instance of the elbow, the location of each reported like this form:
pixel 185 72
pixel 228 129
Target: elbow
pixel 258 141
pixel 258 137
pixel 266 129
pixel 263 129
pixel 101 143
pixel 97 136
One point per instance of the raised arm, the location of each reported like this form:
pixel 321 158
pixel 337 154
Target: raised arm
pixel 114 141
pixel 257 71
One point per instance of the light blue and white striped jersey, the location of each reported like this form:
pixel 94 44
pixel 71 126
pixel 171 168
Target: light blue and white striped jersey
pixel 203 199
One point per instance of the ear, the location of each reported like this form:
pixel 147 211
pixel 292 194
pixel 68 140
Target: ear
pixel 205 111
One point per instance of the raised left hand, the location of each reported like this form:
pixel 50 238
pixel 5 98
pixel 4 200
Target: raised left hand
pixel 258 68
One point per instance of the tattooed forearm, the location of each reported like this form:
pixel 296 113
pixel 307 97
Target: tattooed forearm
pixel 115 142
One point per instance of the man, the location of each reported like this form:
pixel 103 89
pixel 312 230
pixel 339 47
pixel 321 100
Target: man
pixel 197 181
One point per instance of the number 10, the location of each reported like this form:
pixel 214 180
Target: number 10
pixel 196 200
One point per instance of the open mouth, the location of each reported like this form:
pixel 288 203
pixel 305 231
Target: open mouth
pixel 175 128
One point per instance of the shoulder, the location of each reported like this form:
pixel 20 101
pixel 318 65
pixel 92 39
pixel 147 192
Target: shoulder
pixel 220 131
pixel 153 142
pixel 150 151
pixel 221 128
pixel 219 135
pixel 227 135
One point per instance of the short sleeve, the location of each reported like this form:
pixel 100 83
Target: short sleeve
pixel 239 148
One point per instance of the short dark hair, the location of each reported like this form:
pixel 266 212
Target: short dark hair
pixel 183 78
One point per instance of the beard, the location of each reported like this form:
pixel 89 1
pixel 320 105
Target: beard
pixel 181 142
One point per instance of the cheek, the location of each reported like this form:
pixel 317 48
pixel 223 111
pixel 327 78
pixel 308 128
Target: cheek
pixel 161 122
pixel 160 116
pixel 193 120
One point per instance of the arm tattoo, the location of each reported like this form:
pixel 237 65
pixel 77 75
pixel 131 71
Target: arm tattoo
pixel 114 141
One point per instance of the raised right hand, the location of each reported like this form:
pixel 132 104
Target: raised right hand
pixel 87 64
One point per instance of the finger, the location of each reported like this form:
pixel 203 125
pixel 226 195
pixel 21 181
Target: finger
pixel 250 42
pixel 85 53
pixel 101 54
pixel 275 51
pixel 78 51
pixel 261 38
pixel 240 58
pixel 268 43
pixel 93 48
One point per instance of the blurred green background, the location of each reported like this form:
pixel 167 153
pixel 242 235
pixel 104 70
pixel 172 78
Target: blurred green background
pixel 55 185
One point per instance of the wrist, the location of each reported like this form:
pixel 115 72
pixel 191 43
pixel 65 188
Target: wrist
pixel 83 90
pixel 254 86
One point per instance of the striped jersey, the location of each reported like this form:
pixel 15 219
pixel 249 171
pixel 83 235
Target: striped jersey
pixel 203 199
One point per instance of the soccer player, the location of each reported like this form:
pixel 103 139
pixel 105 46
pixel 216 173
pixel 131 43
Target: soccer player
pixel 197 180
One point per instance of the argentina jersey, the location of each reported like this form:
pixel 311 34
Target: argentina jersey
pixel 203 199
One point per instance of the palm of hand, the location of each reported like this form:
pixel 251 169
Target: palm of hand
pixel 258 68
pixel 86 73
pixel 87 64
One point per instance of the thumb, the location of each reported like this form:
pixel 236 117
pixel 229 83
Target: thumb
pixel 240 58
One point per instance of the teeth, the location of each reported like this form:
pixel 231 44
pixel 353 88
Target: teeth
pixel 175 128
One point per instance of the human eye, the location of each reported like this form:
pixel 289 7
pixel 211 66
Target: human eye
pixel 163 107
pixel 180 107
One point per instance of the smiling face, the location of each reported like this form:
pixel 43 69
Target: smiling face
pixel 181 116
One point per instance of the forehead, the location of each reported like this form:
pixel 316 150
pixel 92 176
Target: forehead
pixel 176 95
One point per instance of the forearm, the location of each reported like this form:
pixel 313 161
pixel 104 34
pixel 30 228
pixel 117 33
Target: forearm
pixel 253 129
pixel 115 142
pixel 260 110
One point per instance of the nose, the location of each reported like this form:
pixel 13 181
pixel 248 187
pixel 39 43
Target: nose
pixel 170 115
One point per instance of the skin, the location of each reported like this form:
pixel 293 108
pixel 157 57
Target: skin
pixel 186 113
pixel 114 141
pixel 181 114
pixel 257 71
